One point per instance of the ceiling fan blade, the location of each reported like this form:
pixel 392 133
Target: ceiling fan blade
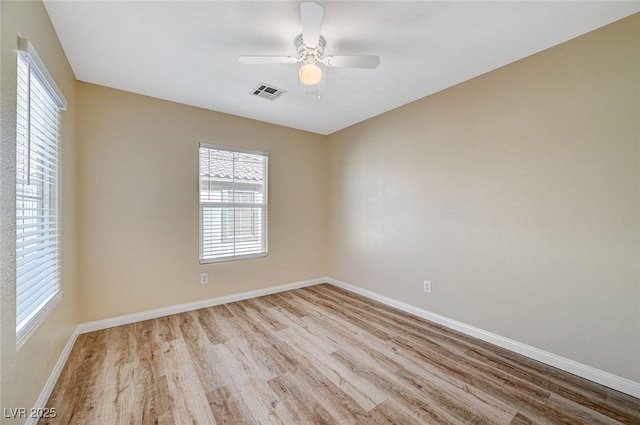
pixel 311 14
pixel 255 60
pixel 367 62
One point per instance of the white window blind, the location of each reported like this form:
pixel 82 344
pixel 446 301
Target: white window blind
pixel 39 103
pixel 233 203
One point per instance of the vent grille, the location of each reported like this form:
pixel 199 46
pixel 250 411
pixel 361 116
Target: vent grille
pixel 266 91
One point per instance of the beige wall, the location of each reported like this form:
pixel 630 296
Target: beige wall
pixel 139 203
pixel 516 193
pixel 24 372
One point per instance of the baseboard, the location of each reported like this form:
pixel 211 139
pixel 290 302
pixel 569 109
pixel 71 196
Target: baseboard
pixel 42 400
pixel 181 308
pixel 596 375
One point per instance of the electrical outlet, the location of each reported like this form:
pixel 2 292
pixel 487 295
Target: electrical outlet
pixel 427 286
pixel 204 278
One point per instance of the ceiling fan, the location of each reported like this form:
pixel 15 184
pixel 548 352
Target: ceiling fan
pixel 310 45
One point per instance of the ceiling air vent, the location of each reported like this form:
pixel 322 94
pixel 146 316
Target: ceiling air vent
pixel 267 92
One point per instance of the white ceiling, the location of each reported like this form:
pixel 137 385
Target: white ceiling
pixel 187 51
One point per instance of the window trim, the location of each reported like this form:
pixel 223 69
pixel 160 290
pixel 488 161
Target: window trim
pixel 37 70
pixel 26 49
pixel 265 253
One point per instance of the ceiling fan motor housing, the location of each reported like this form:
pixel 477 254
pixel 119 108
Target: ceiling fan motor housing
pixel 309 55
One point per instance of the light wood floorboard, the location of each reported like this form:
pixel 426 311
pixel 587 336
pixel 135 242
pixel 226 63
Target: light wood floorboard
pixel 317 355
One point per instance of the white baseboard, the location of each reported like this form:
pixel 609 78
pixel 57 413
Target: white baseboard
pixel 181 308
pixel 596 375
pixel 41 402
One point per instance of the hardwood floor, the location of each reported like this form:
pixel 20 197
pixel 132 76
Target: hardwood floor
pixel 318 355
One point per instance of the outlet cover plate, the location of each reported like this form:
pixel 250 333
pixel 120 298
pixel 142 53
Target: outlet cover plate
pixel 427 286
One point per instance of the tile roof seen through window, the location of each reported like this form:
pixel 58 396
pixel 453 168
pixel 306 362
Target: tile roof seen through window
pixel 231 165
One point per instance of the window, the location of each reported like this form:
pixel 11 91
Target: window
pixel 233 203
pixel 241 222
pixel 38 106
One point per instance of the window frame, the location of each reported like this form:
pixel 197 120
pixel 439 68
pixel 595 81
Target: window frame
pixel 48 277
pixel 264 206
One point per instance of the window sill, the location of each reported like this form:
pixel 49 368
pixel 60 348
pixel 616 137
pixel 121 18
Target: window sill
pixel 235 258
pixel 25 333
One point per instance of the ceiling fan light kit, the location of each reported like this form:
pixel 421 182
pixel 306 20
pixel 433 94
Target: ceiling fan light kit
pixel 310 46
pixel 310 74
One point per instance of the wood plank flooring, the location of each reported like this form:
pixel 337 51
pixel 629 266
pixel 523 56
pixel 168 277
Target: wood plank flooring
pixel 317 355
